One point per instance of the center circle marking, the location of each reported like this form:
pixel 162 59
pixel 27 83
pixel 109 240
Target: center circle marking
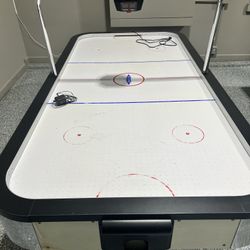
pixel 135 79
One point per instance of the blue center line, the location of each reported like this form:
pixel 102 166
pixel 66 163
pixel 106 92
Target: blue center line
pixel 141 102
pixel 125 62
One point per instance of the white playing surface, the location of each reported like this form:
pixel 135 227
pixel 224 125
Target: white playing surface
pixel 162 135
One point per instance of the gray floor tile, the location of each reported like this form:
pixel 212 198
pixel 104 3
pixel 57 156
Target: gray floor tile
pixel 1 231
pixel 14 105
pixel 33 76
pixel 241 100
pixel 232 74
pixel 246 91
pixel 3 141
pixel 7 244
pixel 243 236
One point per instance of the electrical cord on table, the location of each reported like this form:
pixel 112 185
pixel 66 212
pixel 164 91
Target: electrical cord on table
pixel 63 98
pixel 167 42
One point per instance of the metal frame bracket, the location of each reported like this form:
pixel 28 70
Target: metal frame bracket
pixel 46 36
pixel 212 35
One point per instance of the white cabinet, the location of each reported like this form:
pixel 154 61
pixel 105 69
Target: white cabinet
pixel 155 13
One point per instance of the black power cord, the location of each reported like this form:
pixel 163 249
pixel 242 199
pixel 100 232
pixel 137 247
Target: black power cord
pixel 154 43
pixel 63 98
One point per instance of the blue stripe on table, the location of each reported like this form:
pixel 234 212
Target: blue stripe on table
pixel 140 102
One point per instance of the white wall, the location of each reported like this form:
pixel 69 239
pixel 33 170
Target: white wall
pixel 65 18
pixel 12 51
pixel 233 39
pixel 234 36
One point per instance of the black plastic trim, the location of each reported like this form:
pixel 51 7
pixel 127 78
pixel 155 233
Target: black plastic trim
pixel 178 208
pixel 151 234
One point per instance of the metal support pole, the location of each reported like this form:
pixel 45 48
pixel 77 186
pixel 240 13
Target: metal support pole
pixel 212 35
pixel 46 38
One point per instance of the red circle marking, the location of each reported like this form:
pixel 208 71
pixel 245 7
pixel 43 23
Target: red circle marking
pixel 142 175
pixel 188 133
pixel 128 85
pixel 77 135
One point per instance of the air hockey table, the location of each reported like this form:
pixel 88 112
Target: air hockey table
pixel 152 155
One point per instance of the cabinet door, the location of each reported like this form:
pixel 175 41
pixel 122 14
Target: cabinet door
pixel 155 13
pixel 68 235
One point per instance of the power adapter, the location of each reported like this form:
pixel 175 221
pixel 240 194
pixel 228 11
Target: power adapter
pixel 62 98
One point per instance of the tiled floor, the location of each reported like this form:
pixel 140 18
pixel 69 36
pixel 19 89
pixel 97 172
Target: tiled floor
pixel 12 108
pixel 235 77
pixel 7 244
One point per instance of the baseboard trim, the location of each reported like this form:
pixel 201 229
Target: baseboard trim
pixel 229 57
pixel 7 85
pixel 232 57
pixel 41 59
